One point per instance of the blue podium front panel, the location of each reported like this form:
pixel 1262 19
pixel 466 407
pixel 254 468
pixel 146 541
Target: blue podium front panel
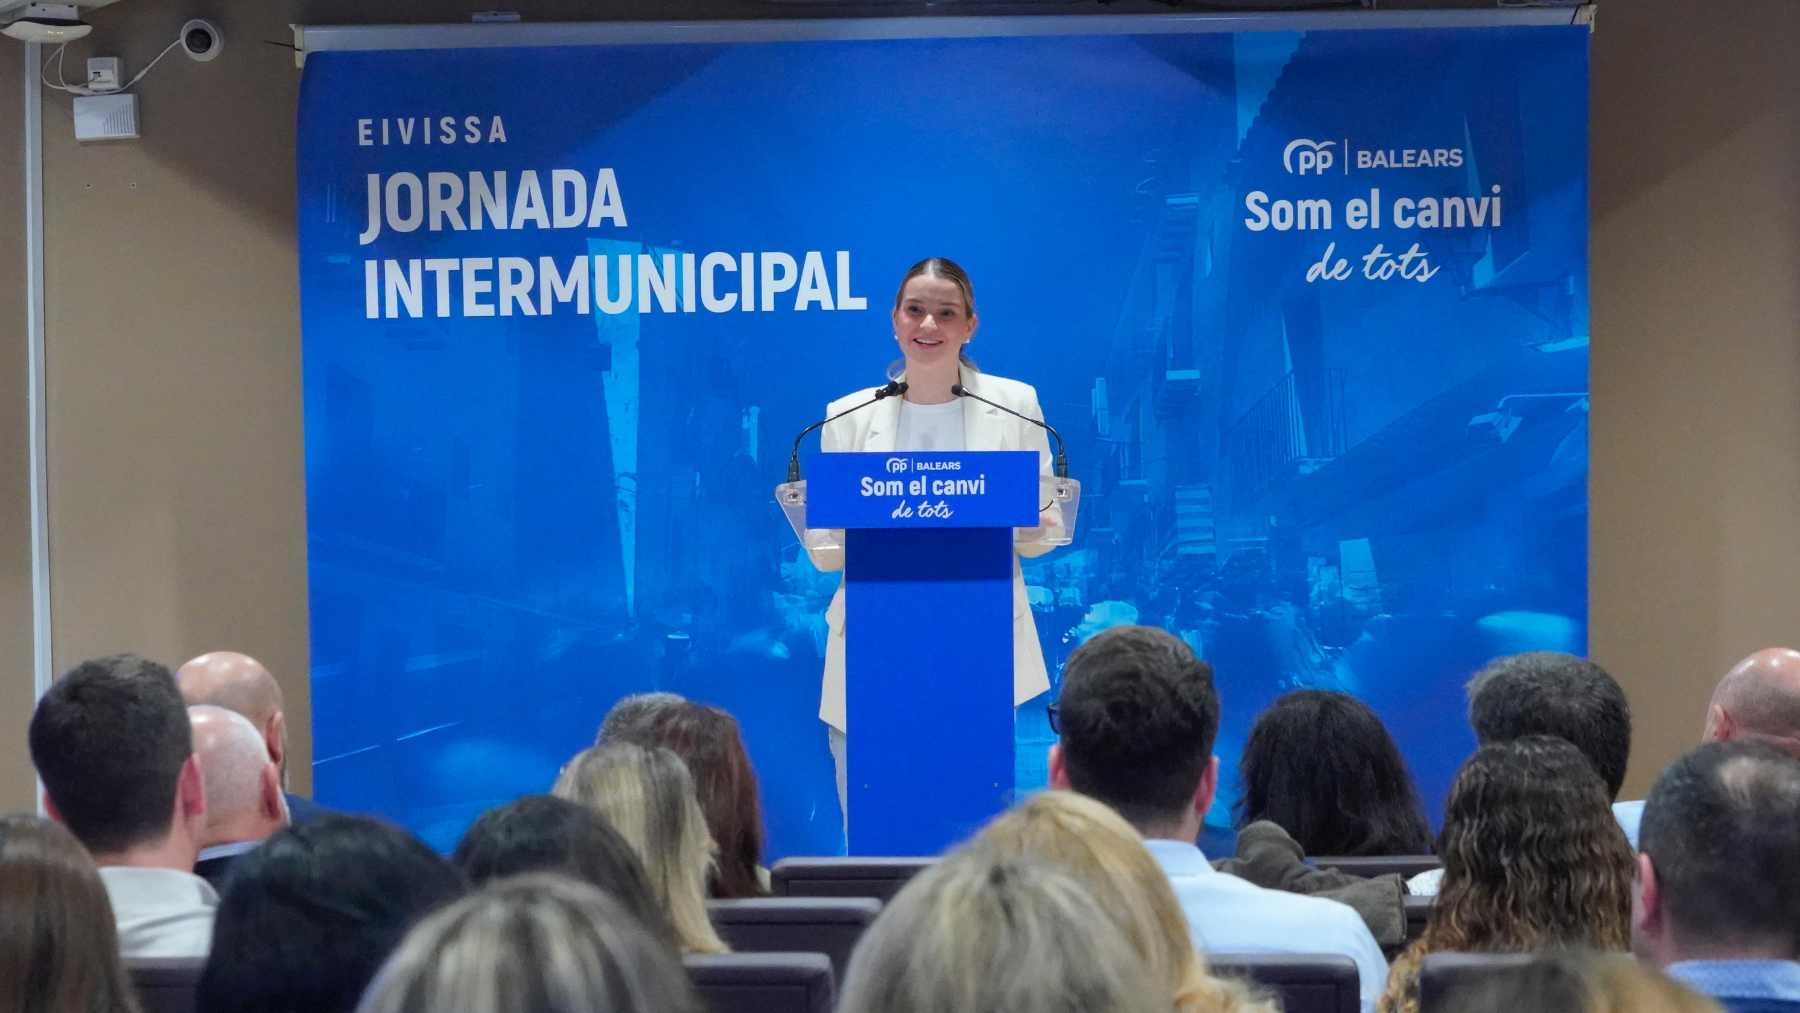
pixel 928 621
pixel 970 489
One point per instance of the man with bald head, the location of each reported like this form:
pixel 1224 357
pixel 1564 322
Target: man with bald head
pixel 244 802
pixel 1757 701
pixel 240 683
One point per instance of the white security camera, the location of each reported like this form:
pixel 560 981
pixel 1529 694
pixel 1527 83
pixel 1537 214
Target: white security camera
pixel 201 40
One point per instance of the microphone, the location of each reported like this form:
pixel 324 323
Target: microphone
pixel 891 388
pixel 1061 466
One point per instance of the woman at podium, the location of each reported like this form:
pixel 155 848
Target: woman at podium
pixel 934 320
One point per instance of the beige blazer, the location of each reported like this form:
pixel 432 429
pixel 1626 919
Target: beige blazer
pixel 875 429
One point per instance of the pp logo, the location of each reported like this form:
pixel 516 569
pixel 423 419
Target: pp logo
pixel 1304 155
pixel 895 465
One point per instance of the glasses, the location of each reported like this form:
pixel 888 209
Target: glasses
pixel 1054 713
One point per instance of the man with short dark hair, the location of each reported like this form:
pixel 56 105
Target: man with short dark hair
pixel 112 744
pixel 1549 693
pixel 1718 886
pixel 1137 717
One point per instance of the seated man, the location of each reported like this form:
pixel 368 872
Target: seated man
pixel 112 744
pixel 1137 717
pixel 238 682
pixel 1759 699
pixel 1718 883
pixel 244 803
pixel 1549 693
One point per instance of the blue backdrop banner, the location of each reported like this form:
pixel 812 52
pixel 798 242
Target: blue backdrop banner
pixel 1310 308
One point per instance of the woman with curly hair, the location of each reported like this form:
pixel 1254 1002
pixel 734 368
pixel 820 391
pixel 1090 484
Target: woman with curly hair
pixel 1533 860
pixel 1094 844
pixel 1323 767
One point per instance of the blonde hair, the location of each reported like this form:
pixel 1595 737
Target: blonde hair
pixel 1581 981
pixel 648 795
pixel 1089 841
pixel 538 942
pixel 983 931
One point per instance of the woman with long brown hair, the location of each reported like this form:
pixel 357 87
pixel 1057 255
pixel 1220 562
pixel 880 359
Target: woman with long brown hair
pixel 710 742
pixel 1533 860
pixel 59 945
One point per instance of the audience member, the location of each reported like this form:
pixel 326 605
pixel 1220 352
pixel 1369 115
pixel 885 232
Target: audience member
pixel 1084 839
pixel 244 803
pixel 634 714
pixel 59 949
pixel 538 943
pixel 112 744
pixel 309 916
pixel 1718 882
pixel 709 741
pixel 543 833
pixel 648 797
pixel 1578 981
pixel 1758 700
pixel 979 931
pixel 1137 717
pixel 1323 767
pixel 238 682
pixel 1532 860
pixel 1549 693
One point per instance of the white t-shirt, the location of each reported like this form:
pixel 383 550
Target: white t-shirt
pixel 931 426
pixel 161 912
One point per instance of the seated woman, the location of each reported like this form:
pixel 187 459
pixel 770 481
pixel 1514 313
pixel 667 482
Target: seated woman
pixel 648 797
pixel 981 931
pixel 709 741
pixel 1323 767
pixel 540 942
pixel 543 833
pixel 1533 860
pixel 61 947
pixel 1094 844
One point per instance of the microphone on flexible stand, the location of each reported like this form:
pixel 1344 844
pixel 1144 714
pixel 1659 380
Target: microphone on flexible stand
pixel 890 389
pixel 1061 465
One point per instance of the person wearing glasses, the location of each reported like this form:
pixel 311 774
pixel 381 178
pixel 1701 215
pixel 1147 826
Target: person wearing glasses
pixel 934 320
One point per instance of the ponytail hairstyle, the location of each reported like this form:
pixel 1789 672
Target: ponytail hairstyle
pixel 949 270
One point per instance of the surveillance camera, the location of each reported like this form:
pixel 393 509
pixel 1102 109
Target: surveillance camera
pixel 201 40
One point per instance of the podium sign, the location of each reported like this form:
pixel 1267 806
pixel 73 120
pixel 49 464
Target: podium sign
pixel 928 621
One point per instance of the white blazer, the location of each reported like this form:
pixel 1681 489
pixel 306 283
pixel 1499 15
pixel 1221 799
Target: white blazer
pixel 875 429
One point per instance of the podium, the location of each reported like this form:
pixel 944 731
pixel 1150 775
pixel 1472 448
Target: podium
pixel 928 541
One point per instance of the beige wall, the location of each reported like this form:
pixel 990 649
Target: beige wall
pixel 17 787
pixel 177 518
pixel 1695 481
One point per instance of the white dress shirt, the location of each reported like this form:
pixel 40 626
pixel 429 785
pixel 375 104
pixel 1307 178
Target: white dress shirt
pixel 161 912
pixel 1231 915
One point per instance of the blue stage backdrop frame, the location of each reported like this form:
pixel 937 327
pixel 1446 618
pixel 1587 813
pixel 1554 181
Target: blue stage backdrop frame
pixel 1318 472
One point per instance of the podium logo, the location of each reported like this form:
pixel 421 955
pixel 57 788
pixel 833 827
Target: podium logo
pixel 1305 156
pixel 896 465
